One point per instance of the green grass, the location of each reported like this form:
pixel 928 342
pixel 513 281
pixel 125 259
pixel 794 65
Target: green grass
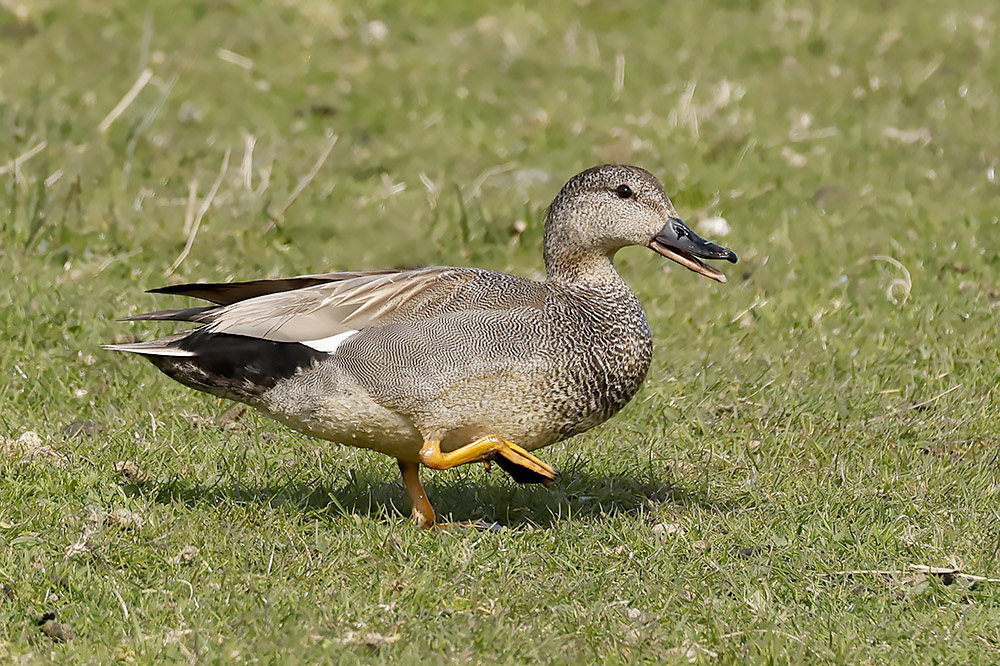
pixel 825 411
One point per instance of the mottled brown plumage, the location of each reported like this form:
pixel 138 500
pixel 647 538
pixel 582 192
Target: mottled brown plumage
pixel 442 366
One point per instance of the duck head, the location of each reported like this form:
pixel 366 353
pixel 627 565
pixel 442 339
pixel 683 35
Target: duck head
pixel 606 208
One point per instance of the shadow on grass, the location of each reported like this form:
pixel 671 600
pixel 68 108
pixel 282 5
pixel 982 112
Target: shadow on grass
pixel 577 496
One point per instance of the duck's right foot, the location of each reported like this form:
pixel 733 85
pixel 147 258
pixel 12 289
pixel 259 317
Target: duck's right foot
pixel 515 460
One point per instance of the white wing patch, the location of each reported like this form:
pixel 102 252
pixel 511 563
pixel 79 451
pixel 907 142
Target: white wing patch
pixel 330 344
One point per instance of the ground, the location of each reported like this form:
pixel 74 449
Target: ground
pixel 808 433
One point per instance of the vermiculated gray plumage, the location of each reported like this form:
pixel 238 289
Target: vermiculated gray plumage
pixel 391 360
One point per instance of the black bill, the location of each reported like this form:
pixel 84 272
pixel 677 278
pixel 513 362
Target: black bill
pixel 677 242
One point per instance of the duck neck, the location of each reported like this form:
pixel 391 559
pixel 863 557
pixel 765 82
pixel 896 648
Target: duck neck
pixel 571 266
pixel 568 262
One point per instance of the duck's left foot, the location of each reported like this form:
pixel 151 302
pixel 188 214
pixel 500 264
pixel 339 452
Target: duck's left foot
pixel 423 512
pixel 522 473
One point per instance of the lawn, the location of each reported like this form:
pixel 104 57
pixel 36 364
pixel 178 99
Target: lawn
pixel 810 433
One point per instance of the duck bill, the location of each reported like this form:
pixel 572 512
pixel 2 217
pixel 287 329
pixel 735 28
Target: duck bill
pixel 678 243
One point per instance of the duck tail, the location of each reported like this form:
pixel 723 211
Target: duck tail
pixel 167 346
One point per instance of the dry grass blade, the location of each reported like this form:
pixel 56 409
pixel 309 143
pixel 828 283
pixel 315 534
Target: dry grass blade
pixel 15 164
pixel 758 302
pixel 919 405
pixel 331 141
pixel 191 208
pixel 205 205
pixel 935 398
pixel 904 283
pixel 246 166
pixel 477 186
pixel 619 83
pixel 235 59
pixel 125 101
pixel 122 603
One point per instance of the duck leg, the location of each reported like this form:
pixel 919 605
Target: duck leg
pixel 423 512
pixel 488 448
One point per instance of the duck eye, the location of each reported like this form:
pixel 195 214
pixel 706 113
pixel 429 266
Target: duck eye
pixel 624 191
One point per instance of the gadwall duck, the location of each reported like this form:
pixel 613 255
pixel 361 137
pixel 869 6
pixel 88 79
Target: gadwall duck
pixel 445 366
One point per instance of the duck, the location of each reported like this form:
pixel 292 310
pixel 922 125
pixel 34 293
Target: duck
pixel 445 366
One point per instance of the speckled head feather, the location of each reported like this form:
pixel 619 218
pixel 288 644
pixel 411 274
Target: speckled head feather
pixel 608 207
pixel 590 220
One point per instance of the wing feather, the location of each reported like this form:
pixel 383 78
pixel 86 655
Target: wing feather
pixel 325 306
pixel 227 293
pixel 325 310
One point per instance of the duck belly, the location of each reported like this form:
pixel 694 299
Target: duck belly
pixel 329 404
pixel 342 412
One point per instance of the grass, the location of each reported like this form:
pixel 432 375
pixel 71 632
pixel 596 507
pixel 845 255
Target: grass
pixel 832 408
